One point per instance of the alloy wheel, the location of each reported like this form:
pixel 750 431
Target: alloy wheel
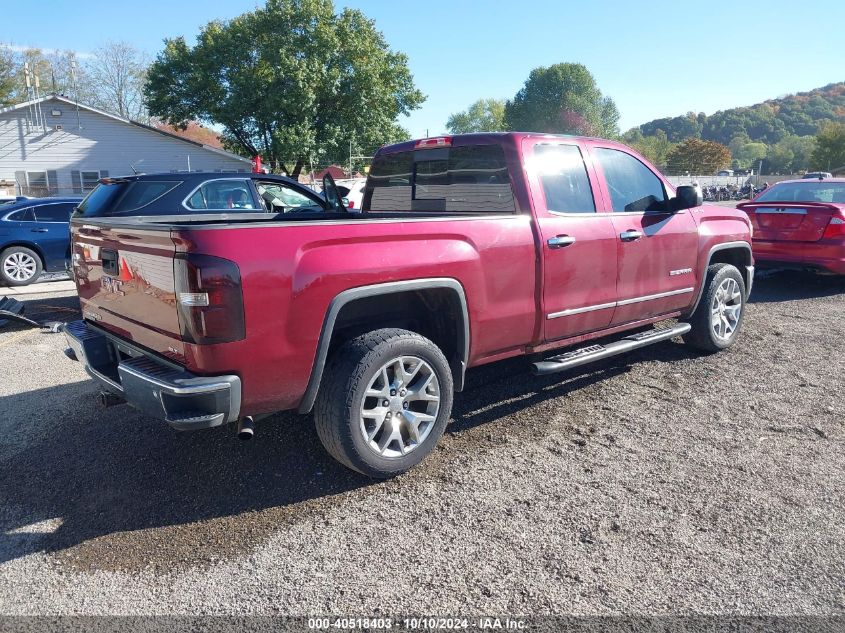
pixel 726 309
pixel 400 406
pixel 20 266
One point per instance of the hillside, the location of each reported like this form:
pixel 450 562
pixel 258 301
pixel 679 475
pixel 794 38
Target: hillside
pixel 768 122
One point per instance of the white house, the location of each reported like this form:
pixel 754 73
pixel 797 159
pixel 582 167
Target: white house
pixel 52 146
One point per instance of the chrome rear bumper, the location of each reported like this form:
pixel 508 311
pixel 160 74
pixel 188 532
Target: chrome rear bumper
pixel 183 400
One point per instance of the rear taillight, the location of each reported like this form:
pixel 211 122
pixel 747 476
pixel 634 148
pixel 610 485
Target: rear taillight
pixel 209 299
pixel 351 204
pixel 835 228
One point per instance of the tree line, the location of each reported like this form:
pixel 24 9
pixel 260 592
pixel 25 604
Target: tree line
pixel 787 135
pixel 299 84
pixel 110 78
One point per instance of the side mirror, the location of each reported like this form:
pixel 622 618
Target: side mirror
pixel 686 197
pixel 331 194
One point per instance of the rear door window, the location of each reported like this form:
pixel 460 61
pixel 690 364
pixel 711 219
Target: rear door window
pixel 125 197
pixel 632 185
pixel 222 195
pixel 54 212
pixel 563 174
pixel 24 215
pixel 467 179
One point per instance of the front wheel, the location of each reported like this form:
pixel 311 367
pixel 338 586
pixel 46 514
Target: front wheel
pixel 718 316
pixel 385 401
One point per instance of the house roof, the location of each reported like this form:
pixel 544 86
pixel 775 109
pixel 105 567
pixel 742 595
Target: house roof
pixel 83 106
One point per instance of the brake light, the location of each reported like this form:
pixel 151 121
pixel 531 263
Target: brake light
pixel 438 141
pixel 209 299
pixel 835 228
pixel 351 204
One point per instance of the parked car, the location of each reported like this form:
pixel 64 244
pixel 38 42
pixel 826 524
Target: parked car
pixel 800 224
pixel 34 237
pixel 817 175
pixel 468 250
pixel 354 195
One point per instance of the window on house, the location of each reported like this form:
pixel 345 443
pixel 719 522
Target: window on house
pixel 36 179
pixel 90 179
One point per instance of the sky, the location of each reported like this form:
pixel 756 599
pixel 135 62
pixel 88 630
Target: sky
pixel 654 58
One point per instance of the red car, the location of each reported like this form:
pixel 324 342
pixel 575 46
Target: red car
pixel 800 224
pixel 467 250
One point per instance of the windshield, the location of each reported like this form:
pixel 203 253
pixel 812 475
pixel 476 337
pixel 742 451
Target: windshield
pixel 804 192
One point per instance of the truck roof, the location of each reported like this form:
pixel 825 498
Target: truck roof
pixel 482 138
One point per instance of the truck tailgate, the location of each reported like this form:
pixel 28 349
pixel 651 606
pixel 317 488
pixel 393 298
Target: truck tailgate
pixel 126 284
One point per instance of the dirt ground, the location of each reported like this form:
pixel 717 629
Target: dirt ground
pixel 661 482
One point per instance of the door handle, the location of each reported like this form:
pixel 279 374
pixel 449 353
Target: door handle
pixel 559 241
pixel 38 230
pixel 630 236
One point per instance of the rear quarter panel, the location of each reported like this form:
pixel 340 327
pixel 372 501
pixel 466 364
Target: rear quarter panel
pixel 291 271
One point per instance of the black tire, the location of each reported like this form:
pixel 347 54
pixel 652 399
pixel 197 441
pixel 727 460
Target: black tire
pixel 27 253
pixel 349 375
pixel 704 335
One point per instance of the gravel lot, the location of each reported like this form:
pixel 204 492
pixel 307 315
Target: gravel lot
pixel 659 482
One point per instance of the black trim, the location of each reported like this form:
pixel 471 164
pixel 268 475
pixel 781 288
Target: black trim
pixel 723 247
pixel 458 365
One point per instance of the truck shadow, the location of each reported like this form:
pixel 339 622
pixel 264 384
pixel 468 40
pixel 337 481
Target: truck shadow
pixel 789 285
pixel 90 485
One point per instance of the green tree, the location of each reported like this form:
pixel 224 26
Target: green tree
pixel 791 154
pixel 563 98
pixel 746 153
pixel 655 148
pixel 485 115
pixel 830 147
pixel 7 77
pixel 291 81
pixel 698 157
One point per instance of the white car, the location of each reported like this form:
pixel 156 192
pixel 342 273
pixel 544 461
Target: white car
pixel 354 196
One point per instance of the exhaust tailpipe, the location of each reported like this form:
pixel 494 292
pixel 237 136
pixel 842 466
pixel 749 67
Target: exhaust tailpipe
pixel 246 428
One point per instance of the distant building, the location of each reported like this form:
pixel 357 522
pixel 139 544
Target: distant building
pixel 51 146
pixel 336 171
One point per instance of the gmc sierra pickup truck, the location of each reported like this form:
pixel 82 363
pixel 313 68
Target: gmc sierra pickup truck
pixel 218 298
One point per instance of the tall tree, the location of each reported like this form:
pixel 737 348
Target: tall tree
pixel 830 147
pixel 485 115
pixel 563 98
pixel 116 75
pixel 7 77
pixel 292 81
pixel 698 157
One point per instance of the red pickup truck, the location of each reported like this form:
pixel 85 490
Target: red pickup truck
pixel 217 298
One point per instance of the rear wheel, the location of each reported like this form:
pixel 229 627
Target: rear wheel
pixel 385 401
pixel 718 317
pixel 19 266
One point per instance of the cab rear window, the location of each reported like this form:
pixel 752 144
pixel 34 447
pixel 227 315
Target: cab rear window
pixel 124 197
pixel 467 179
